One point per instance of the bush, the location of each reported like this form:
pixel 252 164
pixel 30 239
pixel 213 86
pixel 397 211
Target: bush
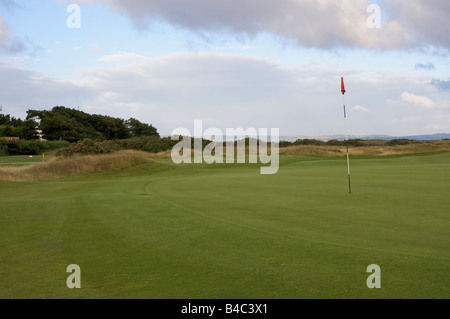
pixel 309 142
pixel 152 144
pixel 334 143
pixel 285 144
pixel 395 142
pixel 351 142
pixel 355 143
pixel 32 147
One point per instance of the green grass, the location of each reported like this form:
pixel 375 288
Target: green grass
pixel 159 230
pixel 23 159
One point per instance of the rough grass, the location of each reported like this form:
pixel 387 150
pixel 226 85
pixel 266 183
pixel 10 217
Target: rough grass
pixel 374 148
pixel 314 150
pixel 62 167
pixel 57 167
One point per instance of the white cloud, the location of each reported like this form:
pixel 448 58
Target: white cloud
pixel 121 57
pixel 425 21
pixel 76 48
pixel 418 101
pixel 322 24
pixel 21 89
pixel 226 90
pixel 23 60
pixel 4 30
pixel 325 24
pixel 360 108
pixel 96 48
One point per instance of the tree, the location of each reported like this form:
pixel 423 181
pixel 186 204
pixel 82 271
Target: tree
pixel 5 119
pixel 137 129
pixel 12 127
pixel 73 125
pixel 27 131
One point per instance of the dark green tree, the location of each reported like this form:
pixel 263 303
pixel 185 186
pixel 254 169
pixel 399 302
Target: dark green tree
pixel 74 125
pixel 137 128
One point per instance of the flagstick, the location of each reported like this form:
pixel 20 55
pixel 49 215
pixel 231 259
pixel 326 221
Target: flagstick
pixel 346 141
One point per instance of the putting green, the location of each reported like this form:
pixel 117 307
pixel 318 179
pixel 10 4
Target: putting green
pixel 224 231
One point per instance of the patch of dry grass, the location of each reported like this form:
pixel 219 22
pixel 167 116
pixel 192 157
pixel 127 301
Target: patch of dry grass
pixel 164 154
pixel 70 166
pixel 58 167
pixel 313 150
pixel 370 150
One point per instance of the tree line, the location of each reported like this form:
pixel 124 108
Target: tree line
pixel 61 123
pixel 13 127
pixel 351 142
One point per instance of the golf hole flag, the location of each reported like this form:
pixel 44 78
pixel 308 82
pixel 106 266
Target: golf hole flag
pixel 346 135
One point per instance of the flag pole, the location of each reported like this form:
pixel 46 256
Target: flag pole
pixel 346 135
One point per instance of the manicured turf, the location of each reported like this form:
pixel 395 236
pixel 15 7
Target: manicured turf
pixel 21 159
pixel 225 231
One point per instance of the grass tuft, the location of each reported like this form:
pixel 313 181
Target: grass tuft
pixel 71 166
pixel 372 150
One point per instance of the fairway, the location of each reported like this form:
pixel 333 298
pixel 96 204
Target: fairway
pixel 160 230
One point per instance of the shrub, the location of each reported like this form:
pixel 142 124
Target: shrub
pixel 402 141
pixel 76 165
pixel 152 144
pixel 334 143
pixel 32 147
pixel 355 142
pixel 285 144
pixel 309 142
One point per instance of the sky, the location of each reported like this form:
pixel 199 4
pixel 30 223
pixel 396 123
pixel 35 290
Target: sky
pixel 233 63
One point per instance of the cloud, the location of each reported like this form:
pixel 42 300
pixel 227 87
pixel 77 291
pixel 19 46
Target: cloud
pixel 441 85
pixel 8 43
pixel 22 89
pixel 4 30
pixel 324 24
pixel 428 66
pixel 9 4
pixel 223 90
pixel 360 108
pixel 227 90
pixel 121 57
pixel 95 48
pixel 426 21
pixel 418 101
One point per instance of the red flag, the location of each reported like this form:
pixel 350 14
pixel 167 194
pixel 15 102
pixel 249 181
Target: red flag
pixel 342 86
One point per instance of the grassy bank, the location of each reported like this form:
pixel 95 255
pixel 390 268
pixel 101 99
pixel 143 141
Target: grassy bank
pixel 58 167
pixel 368 148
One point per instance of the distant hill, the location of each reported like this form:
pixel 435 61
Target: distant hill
pixel 439 136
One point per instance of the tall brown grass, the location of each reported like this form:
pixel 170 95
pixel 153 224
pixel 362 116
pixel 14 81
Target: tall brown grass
pixel 71 166
pixel 313 150
pixel 328 150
